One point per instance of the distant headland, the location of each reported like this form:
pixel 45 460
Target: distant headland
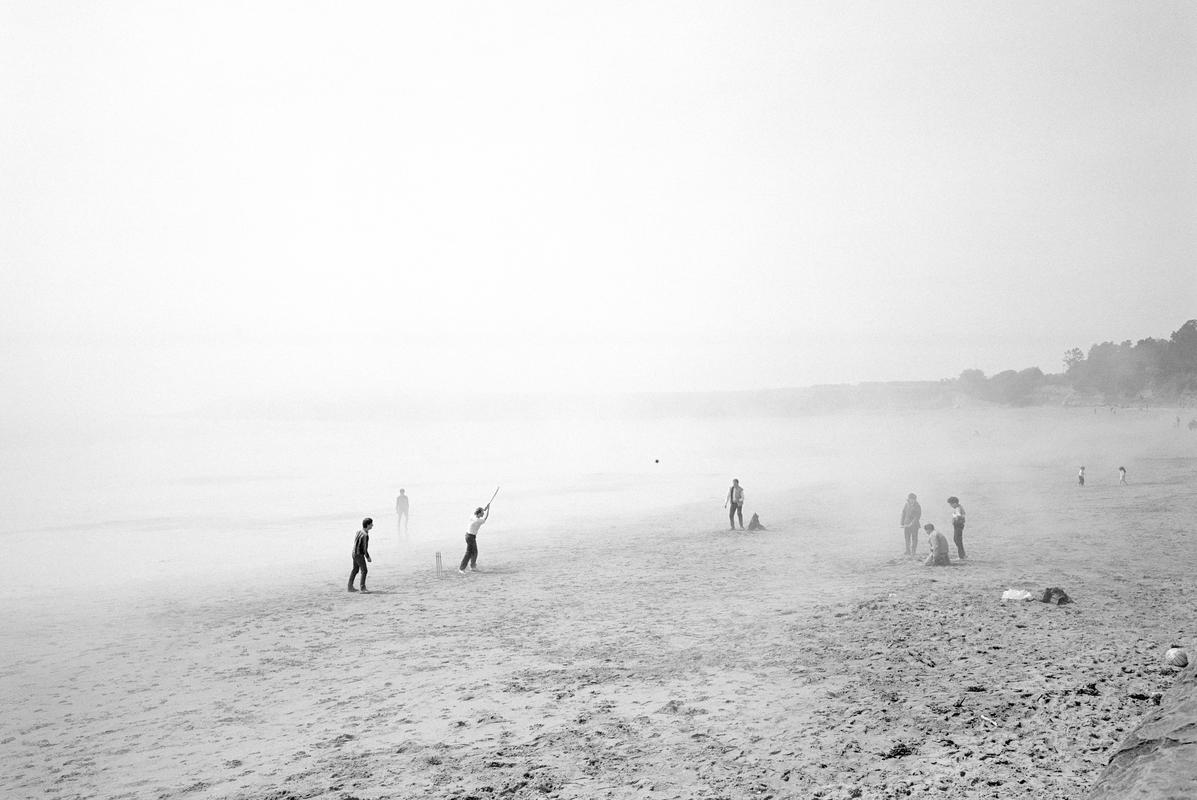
pixel 1150 372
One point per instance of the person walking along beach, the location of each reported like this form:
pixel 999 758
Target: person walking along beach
pixel 912 514
pixel 1080 477
pixel 957 525
pixel 1122 476
pixel 470 558
pixel 735 498
pixel 361 554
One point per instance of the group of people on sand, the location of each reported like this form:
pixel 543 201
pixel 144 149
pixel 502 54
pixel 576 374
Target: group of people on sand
pixel 912 514
pixel 361 541
pixel 937 543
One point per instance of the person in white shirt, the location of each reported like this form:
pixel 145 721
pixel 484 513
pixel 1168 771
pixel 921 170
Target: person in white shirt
pixel 735 499
pixel 957 525
pixel 470 558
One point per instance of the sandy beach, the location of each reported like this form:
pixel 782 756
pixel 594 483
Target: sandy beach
pixel 652 654
pixel 265 266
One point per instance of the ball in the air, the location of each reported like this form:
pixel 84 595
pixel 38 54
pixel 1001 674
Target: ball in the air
pixel 656 461
pixel 1175 657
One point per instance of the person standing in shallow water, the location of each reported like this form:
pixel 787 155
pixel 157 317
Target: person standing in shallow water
pixel 957 525
pixel 361 554
pixel 470 558
pixel 1080 477
pixel 735 498
pixel 1122 476
pixel 912 514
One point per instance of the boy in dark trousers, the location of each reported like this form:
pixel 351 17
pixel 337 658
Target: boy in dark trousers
pixel 957 525
pixel 735 498
pixel 361 553
pixel 470 558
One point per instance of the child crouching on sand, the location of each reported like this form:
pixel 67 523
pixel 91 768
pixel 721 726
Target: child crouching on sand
pixel 939 548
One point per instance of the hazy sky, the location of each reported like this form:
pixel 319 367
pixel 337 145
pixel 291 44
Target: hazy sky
pixel 202 200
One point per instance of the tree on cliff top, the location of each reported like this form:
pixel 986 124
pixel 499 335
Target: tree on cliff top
pixel 1123 371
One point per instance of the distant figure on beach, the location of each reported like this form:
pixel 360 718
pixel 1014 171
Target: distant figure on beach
pixel 470 558
pixel 754 524
pixel 937 543
pixel 1080 477
pixel 1122 476
pixel 912 515
pixel 735 499
pixel 401 506
pixel 361 554
pixel 957 525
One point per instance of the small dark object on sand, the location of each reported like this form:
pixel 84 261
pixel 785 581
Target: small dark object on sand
pixel 1055 595
pixel 898 750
